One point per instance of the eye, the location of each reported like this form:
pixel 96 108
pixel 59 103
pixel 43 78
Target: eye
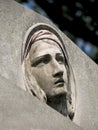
pixel 40 61
pixel 60 59
pixel 37 62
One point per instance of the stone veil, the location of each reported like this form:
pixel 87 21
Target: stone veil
pixel 19 109
pixel 43 31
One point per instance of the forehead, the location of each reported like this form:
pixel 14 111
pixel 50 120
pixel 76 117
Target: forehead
pixel 41 48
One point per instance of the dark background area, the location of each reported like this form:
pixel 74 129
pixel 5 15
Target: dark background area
pixel 76 18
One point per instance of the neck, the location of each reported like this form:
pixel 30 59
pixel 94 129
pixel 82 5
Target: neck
pixel 58 103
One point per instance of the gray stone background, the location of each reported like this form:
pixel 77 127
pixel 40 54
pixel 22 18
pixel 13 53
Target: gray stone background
pixel 18 109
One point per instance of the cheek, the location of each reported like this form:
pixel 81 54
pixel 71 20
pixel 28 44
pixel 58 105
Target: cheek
pixel 42 77
pixel 43 72
pixel 38 74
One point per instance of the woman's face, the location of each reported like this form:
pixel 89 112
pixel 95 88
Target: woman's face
pixel 48 67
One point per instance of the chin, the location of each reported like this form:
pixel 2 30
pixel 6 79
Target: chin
pixel 58 102
pixel 60 91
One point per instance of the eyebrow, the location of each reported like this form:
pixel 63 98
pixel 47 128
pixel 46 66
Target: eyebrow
pixel 36 59
pixel 59 54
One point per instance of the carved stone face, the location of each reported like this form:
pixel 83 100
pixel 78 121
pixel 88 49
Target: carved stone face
pixel 48 68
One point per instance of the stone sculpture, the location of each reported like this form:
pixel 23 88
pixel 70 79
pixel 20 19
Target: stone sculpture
pixel 48 73
pixel 19 107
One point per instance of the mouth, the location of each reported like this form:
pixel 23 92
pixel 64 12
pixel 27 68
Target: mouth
pixel 59 83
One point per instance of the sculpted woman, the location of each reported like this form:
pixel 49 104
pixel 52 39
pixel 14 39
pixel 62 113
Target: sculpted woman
pixel 47 72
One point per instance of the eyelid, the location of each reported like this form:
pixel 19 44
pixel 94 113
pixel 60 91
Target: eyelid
pixel 45 59
pixel 35 61
pixel 60 58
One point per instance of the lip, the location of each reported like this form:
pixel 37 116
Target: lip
pixel 59 82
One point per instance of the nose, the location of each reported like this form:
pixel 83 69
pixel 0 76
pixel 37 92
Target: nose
pixel 57 69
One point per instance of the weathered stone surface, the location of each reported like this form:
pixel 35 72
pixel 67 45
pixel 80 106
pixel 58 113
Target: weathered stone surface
pixel 18 109
pixel 21 111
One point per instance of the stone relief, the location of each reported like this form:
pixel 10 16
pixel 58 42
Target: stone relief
pixel 47 71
